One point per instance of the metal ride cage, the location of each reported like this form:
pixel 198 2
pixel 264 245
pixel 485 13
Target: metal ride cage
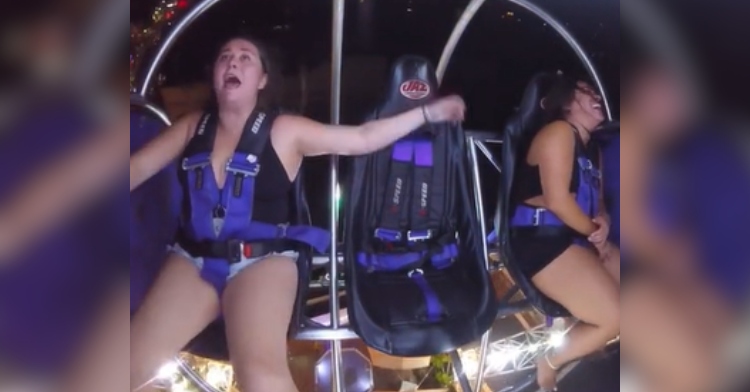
pixel 478 141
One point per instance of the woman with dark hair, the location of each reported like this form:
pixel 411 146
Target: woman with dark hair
pixel 558 232
pixel 255 295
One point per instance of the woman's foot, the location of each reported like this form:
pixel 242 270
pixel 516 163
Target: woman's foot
pixel 546 374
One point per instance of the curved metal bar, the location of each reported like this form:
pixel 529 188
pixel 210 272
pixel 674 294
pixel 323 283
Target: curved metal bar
pixel 458 32
pixel 137 100
pixel 472 9
pixel 169 41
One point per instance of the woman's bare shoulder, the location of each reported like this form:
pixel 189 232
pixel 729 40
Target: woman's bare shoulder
pixel 554 134
pixel 556 129
pixel 188 123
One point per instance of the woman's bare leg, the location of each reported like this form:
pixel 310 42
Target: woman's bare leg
pixel 665 339
pixel 612 263
pixel 178 307
pixel 578 281
pixel 258 307
pixel 100 364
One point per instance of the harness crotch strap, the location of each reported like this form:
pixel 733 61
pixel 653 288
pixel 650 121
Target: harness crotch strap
pixel 410 229
pixel 218 222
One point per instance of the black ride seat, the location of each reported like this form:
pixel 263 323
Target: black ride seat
pixel 528 119
pixel 212 342
pixel 444 299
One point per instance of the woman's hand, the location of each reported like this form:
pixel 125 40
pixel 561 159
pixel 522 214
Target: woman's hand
pixel 447 109
pixel 606 249
pixel 600 236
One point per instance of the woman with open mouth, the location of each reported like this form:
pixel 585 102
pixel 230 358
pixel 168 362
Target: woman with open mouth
pixel 559 229
pixel 240 162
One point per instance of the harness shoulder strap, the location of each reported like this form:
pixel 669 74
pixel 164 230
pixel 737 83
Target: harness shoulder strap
pixel 205 136
pixel 256 133
pixel 199 149
pixel 253 141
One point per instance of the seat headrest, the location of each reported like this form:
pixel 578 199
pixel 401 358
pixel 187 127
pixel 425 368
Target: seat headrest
pixel 529 115
pixel 413 83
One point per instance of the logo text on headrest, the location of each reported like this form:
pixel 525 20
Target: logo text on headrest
pixel 415 89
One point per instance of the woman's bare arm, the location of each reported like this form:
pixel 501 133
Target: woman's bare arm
pixel 157 154
pixel 555 146
pixel 314 138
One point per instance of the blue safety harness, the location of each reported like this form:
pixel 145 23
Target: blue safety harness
pixel 587 196
pixel 413 229
pixel 218 224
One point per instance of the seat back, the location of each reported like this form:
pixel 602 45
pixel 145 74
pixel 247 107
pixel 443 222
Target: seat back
pixel 442 298
pixel 518 131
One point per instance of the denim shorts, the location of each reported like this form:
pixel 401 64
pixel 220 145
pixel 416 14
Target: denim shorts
pixel 235 268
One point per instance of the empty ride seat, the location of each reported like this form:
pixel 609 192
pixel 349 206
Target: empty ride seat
pixel 528 119
pixel 415 269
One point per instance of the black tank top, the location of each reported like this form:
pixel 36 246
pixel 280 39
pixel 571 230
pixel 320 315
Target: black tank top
pixel 528 181
pixel 272 189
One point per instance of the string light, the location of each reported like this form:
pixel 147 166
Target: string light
pixel 172 377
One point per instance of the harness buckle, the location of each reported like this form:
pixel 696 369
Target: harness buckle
pixel 537 218
pixel 418 235
pixel 282 230
pixel 236 250
pixel 244 170
pixel 388 235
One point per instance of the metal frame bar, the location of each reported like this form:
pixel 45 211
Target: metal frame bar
pixel 337 42
pixel 474 160
pixel 169 41
pixel 137 100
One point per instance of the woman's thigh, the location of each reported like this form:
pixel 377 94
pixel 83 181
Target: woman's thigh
pixel 663 337
pixel 177 308
pixel 612 263
pixel 578 281
pixel 258 305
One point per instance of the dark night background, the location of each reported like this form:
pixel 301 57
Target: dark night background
pixel 495 58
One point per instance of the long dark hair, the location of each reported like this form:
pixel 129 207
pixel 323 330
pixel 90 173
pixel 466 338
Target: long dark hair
pixel 268 98
pixel 561 93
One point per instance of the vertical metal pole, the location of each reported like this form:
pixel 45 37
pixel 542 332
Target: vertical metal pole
pixel 474 159
pixel 336 61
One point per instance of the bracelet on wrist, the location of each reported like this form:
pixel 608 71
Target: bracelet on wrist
pixel 426 115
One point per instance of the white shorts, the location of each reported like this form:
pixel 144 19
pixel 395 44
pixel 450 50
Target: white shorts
pixel 235 268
